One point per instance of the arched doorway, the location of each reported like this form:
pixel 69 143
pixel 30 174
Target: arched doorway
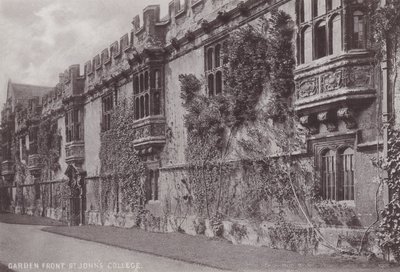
pixel 76 202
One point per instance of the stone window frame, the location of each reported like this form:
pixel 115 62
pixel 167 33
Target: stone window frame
pixel 357 13
pixel 147 91
pixel 213 66
pixel 337 145
pixel 340 158
pixel 313 22
pixel 107 105
pixel 74 125
pixel 152 185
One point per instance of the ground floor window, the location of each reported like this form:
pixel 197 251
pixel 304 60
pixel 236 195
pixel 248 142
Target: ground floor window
pixel 337 174
pixel 152 185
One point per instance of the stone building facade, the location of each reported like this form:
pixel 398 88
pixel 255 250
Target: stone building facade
pixel 339 98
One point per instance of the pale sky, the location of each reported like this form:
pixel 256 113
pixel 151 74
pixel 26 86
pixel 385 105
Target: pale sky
pixel 41 38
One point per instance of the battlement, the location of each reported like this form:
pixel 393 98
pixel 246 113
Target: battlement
pixel 186 21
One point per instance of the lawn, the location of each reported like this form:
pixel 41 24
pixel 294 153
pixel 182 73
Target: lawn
pixel 11 218
pixel 4 268
pixel 214 253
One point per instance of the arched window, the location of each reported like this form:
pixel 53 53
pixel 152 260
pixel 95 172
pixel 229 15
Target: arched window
pixel 218 82
pixel 210 59
pixel 335 35
pixel 306 45
pixel 146 80
pixel 141 83
pixel 320 40
pixel 337 172
pixel 211 85
pixel 137 109
pixel 358 30
pixel 329 175
pixel 346 187
pixel 141 106
pixel 136 85
pixel 217 55
pixel 146 105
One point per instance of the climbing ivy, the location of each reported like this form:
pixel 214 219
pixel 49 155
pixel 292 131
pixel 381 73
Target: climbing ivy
pixel 48 146
pixel 257 63
pixel 389 227
pixel 121 169
pixel 385 37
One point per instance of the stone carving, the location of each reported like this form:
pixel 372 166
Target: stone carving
pixel 359 77
pixel 307 88
pixel 175 44
pixel 149 131
pixel 310 122
pixel 243 8
pixel 190 36
pixel 328 120
pixel 205 25
pixel 75 152
pixel 34 162
pixel 347 116
pixel 7 168
pixel 348 77
pixel 331 81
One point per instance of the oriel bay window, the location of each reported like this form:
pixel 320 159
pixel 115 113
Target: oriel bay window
pixel 73 125
pixel 337 174
pixel 329 28
pixel 147 88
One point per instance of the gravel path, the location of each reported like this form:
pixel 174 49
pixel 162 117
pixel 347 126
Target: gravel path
pixel 28 248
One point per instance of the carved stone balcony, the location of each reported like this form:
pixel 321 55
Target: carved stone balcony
pixel 7 168
pixel 75 152
pixel 34 163
pixel 149 133
pixel 333 83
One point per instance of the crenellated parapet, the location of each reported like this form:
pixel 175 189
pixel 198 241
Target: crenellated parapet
pixel 187 23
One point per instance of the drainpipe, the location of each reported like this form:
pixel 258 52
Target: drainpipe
pixel 385 108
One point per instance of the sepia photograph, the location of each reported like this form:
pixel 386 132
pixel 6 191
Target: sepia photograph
pixel 199 135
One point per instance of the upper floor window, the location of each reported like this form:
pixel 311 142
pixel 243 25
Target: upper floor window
pixel 337 172
pixel 305 9
pixel 73 125
pixel 335 35
pixel 147 87
pixel 327 39
pixel 213 68
pixel 358 30
pixel 320 40
pixel 306 45
pixel 332 4
pixel 107 107
pixel 319 7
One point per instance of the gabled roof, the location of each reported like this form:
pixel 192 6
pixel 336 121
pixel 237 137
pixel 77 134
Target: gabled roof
pixel 24 91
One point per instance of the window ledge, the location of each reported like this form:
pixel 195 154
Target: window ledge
pixel 154 202
pixel 180 12
pixel 196 3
